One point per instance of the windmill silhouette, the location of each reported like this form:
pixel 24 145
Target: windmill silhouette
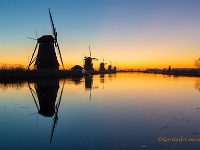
pixel 115 68
pixel 110 66
pixel 88 65
pixel 102 66
pixel 46 56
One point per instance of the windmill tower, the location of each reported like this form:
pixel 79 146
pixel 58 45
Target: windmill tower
pixel 46 56
pixel 88 65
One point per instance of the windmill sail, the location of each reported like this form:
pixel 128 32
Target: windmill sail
pixel 55 37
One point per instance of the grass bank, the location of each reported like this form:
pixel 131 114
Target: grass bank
pixel 36 74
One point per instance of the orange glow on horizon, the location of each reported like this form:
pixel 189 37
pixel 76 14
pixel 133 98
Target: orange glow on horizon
pixel 122 61
pixel 119 66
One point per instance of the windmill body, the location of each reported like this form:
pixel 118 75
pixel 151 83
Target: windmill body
pixel 110 68
pixel 46 57
pixel 88 64
pixel 114 68
pixel 102 66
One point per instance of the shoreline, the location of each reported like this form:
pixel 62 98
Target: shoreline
pixel 175 74
pixel 26 75
pixel 37 74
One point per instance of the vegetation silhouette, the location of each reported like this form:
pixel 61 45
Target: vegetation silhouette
pixel 19 72
pixel 7 84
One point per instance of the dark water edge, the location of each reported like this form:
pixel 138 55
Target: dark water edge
pixel 37 74
pixel 175 74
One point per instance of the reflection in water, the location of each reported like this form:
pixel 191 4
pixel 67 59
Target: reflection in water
pixel 111 76
pixel 76 81
pixel 6 84
pixel 197 85
pixel 102 78
pixel 89 85
pixel 133 112
pixel 88 82
pixel 46 93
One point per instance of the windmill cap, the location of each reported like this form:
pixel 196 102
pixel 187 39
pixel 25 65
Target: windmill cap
pixel 46 39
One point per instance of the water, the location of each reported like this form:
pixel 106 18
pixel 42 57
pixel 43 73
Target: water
pixel 122 111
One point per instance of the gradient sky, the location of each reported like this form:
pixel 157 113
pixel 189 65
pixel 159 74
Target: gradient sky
pixel 133 34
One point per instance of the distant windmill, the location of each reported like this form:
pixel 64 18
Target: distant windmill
pixel 88 65
pixel 115 68
pixel 110 66
pixel 46 56
pixel 102 66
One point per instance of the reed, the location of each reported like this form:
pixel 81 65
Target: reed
pixel 19 72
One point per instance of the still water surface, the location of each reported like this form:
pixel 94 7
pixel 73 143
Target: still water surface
pixel 122 111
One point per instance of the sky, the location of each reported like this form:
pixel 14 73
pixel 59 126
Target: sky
pixel 131 34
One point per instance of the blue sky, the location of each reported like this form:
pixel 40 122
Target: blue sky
pixel 130 33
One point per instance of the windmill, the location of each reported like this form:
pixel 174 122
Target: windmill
pixel 102 66
pixel 115 68
pixel 46 56
pixel 110 66
pixel 88 65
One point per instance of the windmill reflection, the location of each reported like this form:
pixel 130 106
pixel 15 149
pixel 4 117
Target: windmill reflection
pixel 76 81
pixel 102 78
pixel 197 85
pixel 89 85
pixel 45 98
pixel 88 82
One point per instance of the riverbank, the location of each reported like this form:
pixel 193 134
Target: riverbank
pixel 37 74
pixel 22 74
pixel 174 72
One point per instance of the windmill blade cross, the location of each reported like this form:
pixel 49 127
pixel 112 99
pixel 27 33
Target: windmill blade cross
pixel 31 61
pixel 90 51
pixel 32 92
pixel 94 58
pixel 52 25
pixel 55 120
pixel 31 38
pixel 60 54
